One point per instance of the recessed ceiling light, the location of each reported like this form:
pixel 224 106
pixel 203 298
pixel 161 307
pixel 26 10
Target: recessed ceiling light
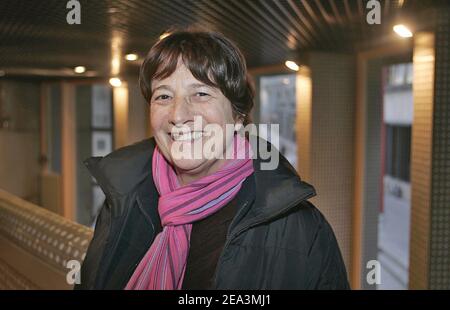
pixel 292 65
pixel 115 82
pixel 131 57
pixel 79 69
pixel 403 31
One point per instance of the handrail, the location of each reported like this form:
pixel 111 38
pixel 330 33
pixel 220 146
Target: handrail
pixel 50 238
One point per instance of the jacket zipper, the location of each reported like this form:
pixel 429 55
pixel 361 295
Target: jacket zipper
pixel 233 236
pixel 141 207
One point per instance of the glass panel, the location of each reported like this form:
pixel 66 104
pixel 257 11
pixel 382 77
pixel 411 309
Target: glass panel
pixel 101 143
pixel 54 128
pixel 278 106
pixel 94 138
pixel 394 218
pixel 101 107
pixel 97 201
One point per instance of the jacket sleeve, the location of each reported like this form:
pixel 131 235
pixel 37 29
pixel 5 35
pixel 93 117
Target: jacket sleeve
pixel 95 250
pixel 324 254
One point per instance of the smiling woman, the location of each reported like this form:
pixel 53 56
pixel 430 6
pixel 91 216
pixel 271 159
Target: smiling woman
pixel 210 58
pixel 204 222
pixel 175 102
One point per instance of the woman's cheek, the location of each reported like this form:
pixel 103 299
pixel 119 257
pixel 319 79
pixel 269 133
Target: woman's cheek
pixel 156 119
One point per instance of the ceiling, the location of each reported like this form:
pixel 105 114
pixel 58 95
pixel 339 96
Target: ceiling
pixel 35 38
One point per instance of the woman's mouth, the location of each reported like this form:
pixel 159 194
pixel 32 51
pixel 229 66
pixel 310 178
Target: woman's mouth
pixel 188 136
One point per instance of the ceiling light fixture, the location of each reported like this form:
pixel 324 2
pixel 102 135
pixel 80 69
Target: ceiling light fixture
pixel 292 65
pixel 79 69
pixel 403 31
pixel 115 82
pixel 131 57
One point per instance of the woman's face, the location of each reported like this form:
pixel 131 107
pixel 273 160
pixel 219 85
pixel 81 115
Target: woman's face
pixel 175 102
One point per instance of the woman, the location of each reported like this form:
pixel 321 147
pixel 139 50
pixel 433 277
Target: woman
pixel 172 220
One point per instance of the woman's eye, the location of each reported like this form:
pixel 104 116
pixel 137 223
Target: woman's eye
pixel 200 94
pixel 200 97
pixel 162 97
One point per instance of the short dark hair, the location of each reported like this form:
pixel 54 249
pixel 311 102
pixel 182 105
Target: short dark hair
pixel 211 58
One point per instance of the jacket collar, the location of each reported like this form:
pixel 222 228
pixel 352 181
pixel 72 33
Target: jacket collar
pixel 122 174
pixel 271 193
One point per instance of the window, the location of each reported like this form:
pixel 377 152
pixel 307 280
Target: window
pixel 398 151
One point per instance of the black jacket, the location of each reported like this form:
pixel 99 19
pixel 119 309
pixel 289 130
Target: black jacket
pixel 277 240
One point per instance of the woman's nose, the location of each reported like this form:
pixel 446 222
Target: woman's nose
pixel 180 112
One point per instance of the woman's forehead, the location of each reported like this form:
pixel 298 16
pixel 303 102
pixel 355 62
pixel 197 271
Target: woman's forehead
pixel 182 76
pixel 181 71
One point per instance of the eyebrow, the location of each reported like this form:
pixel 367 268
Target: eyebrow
pixel 167 87
pixel 197 85
pixel 193 85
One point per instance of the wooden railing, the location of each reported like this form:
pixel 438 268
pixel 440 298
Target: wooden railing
pixel 36 246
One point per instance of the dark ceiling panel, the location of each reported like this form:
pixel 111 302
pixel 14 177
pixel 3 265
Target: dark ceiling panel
pixel 35 34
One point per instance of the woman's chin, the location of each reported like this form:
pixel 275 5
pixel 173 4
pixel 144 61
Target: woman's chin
pixel 188 165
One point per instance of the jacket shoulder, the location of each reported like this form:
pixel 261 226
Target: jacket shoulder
pixel 120 171
pixel 301 228
pixel 306 231
pixel 308 219
pixel 327 267
pixel 294 230
pixel 132 150
pixel 311 215
pixel 124 153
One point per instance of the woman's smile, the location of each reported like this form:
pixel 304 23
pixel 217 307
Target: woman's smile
pixel 189 136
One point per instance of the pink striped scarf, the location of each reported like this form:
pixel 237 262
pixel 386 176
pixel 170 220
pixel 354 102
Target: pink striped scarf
pixel 164 264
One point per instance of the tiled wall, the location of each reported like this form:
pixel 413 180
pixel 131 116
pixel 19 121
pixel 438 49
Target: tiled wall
pixel 430 170
pixel 325 140
pixel 439 269
pixel 19 138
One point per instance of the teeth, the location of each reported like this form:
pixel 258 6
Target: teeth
pixel 188 136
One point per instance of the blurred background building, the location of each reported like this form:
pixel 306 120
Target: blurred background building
pixel 360 89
